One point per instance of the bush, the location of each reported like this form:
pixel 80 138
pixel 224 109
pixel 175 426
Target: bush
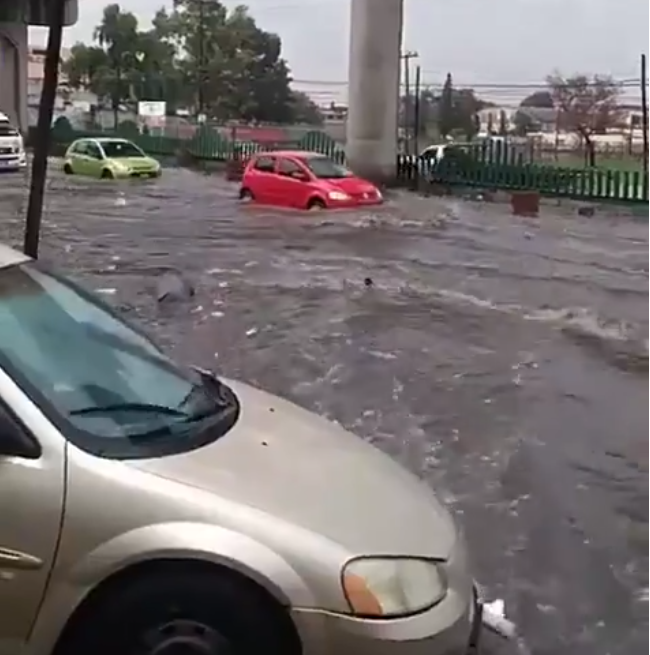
pixel 128 129
pixel 62 130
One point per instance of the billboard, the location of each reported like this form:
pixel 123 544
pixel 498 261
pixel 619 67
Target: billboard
pixel 151 112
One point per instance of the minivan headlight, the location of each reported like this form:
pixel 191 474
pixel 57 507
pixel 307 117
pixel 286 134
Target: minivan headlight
pixel 384 587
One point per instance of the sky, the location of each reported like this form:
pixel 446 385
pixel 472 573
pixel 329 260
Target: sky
pixel 479 41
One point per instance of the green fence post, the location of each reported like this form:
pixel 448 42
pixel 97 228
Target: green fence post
pixel 616 181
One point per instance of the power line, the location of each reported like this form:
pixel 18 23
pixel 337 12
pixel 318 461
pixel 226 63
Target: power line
pixel 513 86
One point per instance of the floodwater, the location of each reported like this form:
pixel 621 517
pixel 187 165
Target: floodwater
pixel 504 360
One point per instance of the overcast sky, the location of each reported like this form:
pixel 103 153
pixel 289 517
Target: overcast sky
pixel 478 41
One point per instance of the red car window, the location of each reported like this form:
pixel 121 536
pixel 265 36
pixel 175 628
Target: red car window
pixel 264 164
pixel 288 167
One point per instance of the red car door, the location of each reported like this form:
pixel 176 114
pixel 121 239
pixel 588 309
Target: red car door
pixel 294 183
pixel 261 179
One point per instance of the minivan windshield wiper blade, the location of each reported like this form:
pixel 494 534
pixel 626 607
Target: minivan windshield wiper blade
pixel 144 408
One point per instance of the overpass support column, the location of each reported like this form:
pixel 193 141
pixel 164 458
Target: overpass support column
pixel 13 73
pixel 373 96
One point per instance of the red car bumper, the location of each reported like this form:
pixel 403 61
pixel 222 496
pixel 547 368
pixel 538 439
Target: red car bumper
pixel 351 202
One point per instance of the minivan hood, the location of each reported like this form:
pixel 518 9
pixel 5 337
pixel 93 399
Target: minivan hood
pixel 287 462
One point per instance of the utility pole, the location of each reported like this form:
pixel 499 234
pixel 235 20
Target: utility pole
pixel 406 58
pixel 201 94
pixel 644 115
pixel 417 110
pixel 44 127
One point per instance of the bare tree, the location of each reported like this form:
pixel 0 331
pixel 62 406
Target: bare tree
pixel 586 105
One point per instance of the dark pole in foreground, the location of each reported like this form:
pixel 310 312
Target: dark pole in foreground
pixel 644 114
pixel 44 128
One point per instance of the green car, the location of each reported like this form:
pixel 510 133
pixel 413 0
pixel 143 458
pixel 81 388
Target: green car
pixel 109 158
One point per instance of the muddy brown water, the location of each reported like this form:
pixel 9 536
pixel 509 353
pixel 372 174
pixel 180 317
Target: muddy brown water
pixel 503 360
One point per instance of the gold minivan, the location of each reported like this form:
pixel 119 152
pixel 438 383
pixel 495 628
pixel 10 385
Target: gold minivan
pixel 147 509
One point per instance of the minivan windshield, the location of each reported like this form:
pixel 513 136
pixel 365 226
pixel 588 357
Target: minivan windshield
pixel 121 149
pixel 326 168
pixel 6 129
pixel 106 386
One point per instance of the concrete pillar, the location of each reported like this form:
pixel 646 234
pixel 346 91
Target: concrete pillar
pixel 13 73
pixel 373 100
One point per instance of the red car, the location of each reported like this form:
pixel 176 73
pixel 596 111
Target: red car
pixel 304 180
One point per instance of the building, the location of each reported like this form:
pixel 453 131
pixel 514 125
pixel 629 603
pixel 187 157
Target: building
pixel 36 74
pixel 15 16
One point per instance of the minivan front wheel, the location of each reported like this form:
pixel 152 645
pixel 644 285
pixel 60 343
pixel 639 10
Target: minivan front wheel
pixel 182 612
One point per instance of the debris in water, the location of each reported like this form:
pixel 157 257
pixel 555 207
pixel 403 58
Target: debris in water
pixel 367 281
pixel 494 618
pixel 251 332
pixel 172 286
pixel 108 292
pixel 120 201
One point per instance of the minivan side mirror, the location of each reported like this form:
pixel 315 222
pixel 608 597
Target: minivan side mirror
pixel 14 442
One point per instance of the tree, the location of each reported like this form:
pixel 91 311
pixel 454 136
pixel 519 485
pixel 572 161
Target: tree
pixel 586 106
pixel 304 109
pixel 118 35
pixel 465 112
pixel 109 69
pixel 524 123
pixel 539 99
pixel 231 67
pixel 503 123
pixel 446 121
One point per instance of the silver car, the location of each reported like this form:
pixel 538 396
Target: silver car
pixel 146 509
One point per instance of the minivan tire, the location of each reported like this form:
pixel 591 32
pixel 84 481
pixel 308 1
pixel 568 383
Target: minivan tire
pixel 67 169
pixel 107 174
pixel 218 614
pixel 246 195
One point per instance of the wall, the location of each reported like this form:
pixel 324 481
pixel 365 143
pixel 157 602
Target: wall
pixel 13 66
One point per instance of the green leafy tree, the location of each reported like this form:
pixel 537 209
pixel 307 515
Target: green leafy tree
pixel 118 35
pixel 304 109
pixel 446 118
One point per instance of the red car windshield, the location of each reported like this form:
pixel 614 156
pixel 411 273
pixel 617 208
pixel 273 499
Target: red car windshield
pixel 325 168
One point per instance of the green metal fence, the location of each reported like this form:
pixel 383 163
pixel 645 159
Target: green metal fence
pixel 493 167
pixel 489 166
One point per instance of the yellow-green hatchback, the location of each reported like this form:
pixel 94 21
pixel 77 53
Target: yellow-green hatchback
pixel 109 159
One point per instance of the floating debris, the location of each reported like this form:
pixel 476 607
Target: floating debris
pixel 173 286
pixel 494 618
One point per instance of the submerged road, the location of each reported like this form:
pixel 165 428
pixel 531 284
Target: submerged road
pixel 504 360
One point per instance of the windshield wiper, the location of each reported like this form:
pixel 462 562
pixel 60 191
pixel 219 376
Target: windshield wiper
pixel 144 408
pixel 211 390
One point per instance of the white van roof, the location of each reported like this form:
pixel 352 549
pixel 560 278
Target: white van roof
pixel 9 256
pixel 4 118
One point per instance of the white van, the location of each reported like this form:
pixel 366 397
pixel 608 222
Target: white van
pixel 12 146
